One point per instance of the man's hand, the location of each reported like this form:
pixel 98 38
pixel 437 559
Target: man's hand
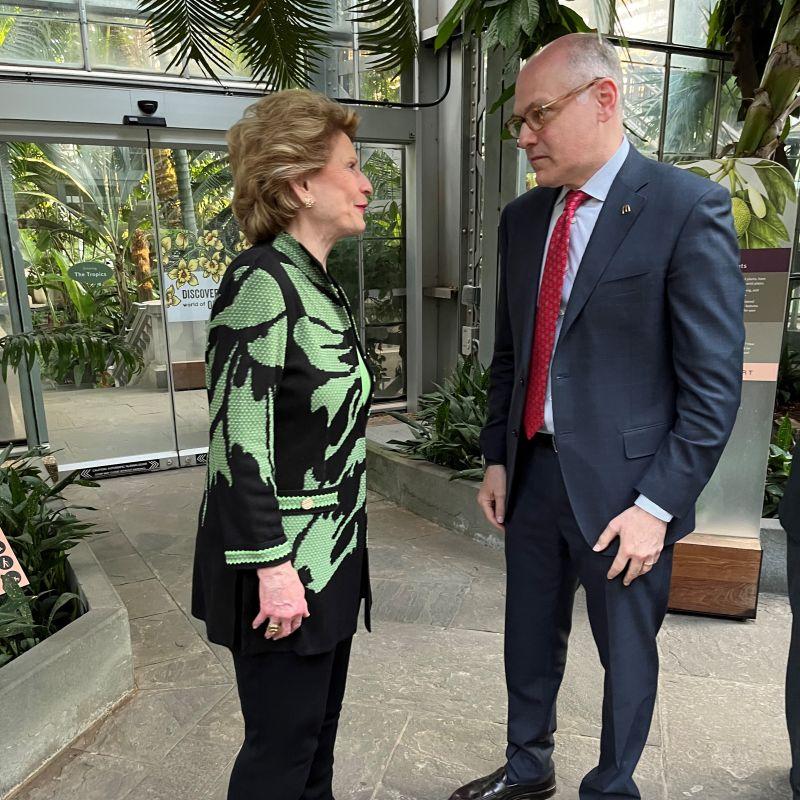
pixel 641 540
pixel 492 495
pixel 282 600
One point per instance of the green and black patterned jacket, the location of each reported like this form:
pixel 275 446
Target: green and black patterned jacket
pixel 289 390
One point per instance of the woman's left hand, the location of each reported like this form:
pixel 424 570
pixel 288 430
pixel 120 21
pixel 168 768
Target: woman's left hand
pixel 282 600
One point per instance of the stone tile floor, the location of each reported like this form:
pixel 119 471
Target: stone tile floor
pixel 425 704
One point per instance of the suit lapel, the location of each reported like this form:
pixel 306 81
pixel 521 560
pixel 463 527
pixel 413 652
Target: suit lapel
pixel 609 232
pixel 531 259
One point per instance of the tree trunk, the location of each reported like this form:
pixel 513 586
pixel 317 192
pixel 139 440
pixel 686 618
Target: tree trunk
pixel 169 203
pixel 772 102
pixel 184 179
pixel 140 255
pixel 122 282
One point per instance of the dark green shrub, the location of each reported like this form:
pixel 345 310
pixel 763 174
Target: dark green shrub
pixel 448 425
pixel 778 466
pixel 41 529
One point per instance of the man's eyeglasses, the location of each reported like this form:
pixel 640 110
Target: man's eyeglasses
pixel 536 116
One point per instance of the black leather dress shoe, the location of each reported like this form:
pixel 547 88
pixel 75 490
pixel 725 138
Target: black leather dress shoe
pixel 497 787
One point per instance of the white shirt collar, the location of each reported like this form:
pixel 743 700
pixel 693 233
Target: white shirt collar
pixel 599 185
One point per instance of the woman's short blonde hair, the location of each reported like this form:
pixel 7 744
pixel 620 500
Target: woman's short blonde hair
pixel 283 137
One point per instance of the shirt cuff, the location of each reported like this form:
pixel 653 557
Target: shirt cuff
pixel 651 508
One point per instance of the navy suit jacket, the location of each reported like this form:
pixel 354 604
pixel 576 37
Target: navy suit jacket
pixel 789 510
pixel 647 371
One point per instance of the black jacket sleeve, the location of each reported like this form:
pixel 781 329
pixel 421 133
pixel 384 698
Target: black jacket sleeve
pixel 501 371
pixel 247 339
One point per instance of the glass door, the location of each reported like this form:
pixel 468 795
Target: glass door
pixel 198 239
pixel 119 251
pixel 83 219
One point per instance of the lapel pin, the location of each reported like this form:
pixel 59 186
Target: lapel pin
pixel 626 209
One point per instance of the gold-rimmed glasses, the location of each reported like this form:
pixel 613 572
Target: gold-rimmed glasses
pixel 536 116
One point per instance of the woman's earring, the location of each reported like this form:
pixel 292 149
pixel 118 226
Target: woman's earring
pixel 308 202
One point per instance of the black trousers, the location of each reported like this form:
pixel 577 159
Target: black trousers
pixel 291 706
pixel 793 667
pixel 547 557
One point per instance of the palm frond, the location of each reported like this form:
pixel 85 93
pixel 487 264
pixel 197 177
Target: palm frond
pixel 197 30
pixel 280 40
pixel 391 31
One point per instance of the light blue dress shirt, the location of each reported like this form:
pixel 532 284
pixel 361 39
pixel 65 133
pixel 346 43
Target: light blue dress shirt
pixel 597 187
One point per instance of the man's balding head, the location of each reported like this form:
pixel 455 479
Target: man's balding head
pixel 583 129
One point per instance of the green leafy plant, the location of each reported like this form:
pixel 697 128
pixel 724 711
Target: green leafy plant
pixel 447 427
pixel 764 37
pixel 759 195
pixel 779 465
pixel 278 41
pixel 788 376
pixel 41 529
pixel 71 353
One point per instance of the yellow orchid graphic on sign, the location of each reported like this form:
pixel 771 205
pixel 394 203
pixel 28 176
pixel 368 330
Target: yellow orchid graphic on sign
pixel 213 269
pixel 170 297
pixel 183 274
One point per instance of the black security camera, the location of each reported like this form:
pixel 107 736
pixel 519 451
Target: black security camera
pixel 147 106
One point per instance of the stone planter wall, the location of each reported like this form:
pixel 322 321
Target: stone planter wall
pixel 425 489
pixel 56 690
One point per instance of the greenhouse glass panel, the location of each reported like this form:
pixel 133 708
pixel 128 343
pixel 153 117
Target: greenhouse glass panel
pixel 86 233
pixel 730 125
pixel 643 89
pixel 45 33
pixel 384 281
pixel 372 271
pixel 199 237
pixel 690 110
pixel 690 22
pixel 588 11
pixel 643 19
pixel 12 421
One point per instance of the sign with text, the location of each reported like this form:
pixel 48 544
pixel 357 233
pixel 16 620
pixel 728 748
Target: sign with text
pixel 764 206
pixel 91 272
pixel 9 565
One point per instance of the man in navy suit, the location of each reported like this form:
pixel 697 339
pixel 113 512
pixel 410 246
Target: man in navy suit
pixel 615 384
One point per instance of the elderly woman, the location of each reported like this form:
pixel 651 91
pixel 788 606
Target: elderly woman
pixel 281 558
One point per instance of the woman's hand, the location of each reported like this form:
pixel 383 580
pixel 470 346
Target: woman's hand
pixel 282 600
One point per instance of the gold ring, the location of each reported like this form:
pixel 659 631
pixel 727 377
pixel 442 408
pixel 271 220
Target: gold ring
pixel 650 565
pixel 273 628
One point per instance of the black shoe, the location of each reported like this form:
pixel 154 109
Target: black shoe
pixel 496 787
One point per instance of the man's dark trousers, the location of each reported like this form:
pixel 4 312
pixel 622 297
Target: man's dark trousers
pixel 547 557
pixel 790 519
pixel 793 666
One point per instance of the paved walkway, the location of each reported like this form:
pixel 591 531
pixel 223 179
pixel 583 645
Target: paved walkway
pixel 425 704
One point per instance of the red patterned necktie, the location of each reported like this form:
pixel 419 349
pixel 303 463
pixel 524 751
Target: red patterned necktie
pixel 555 268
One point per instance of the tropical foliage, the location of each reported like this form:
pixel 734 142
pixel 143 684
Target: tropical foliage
pixel 768 75
pixel 279 42
pixel 384 278
pixel 447 427
pixel 41 529
pixel 778 466
pixel 81 203
pixel 759 195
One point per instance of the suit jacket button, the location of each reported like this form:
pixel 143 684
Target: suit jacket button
pixel 515 432
pixel 522 381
